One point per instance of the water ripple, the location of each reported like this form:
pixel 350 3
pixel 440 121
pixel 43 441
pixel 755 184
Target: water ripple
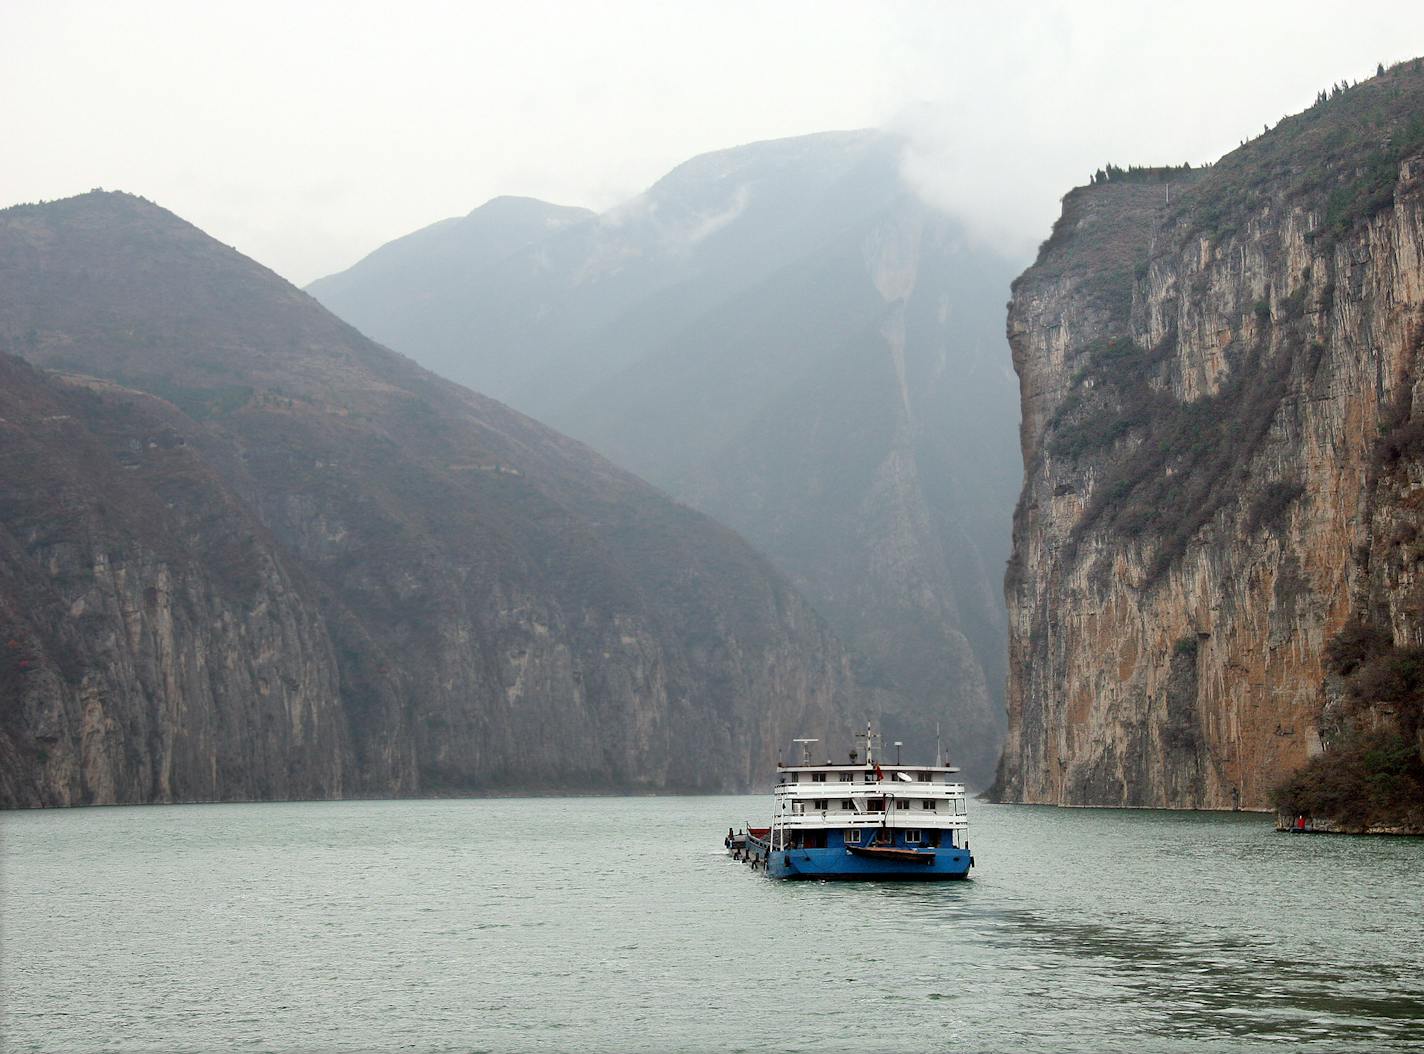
pixel 612 924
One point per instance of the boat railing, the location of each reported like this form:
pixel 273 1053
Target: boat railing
pixel 953 808
pixel 818 820
pixel 915 790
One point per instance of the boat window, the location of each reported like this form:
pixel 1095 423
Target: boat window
pixel 846 803
pixel 912 837
pixel 847 777
pixel 820 804
pixel 818 777
pixel 852 836
pixel 929 803
pixel 923 777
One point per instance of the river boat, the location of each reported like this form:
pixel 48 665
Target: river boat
pixel 861 820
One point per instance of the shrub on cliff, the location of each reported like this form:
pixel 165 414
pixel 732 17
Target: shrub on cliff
pixel 1357 641
pixel 1371 773
pixel 1271 505
pixel 1384 682
pixel 1401 434
pixel 1370 779
pixel 1187 466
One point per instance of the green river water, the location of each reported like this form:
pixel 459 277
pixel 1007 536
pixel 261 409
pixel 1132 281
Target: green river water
pixel 618 924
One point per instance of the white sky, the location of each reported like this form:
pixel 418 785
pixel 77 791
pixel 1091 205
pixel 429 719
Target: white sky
pixel 306 134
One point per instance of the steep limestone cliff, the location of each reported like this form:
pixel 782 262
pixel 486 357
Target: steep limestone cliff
pixel 1207 361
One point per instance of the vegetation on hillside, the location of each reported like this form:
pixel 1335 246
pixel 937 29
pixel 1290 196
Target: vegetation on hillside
pixel 1111 173
pixel 1194 455
pixel 1401 425
pixel 1371 773
pixel 1339 159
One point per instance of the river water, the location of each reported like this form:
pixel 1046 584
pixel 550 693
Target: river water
pixel 617 924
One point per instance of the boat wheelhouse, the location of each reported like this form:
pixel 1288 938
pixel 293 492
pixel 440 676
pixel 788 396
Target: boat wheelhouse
pixel 862 820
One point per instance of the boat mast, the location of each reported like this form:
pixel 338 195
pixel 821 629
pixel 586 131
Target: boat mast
pixel 869 738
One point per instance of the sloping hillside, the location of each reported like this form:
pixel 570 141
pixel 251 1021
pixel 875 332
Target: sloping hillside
pixel 490 605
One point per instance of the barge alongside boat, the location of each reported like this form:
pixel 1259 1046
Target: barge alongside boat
pixel 861 821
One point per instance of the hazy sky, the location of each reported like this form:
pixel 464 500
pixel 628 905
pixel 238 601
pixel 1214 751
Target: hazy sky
pixel 306 134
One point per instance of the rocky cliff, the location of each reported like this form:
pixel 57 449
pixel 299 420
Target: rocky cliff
pixel 251 554
pixel 785 337
pixel 155 644
pixel 1208 361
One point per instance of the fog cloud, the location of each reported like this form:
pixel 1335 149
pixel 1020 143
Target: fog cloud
pixel 1030 107
pixel 307 134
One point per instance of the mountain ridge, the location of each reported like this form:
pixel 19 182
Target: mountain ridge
pixel 503 608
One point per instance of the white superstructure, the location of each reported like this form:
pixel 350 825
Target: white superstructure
pixel 868 797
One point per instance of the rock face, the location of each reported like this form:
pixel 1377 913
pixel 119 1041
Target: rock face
pixel 250 554
pixel 784 337
pixel 1206 373
pixel 155 643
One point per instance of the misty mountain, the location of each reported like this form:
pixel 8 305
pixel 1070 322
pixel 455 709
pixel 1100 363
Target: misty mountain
pixel 785 337
pixel 418 273
pixel 250 553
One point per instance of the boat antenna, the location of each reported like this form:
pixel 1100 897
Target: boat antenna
pixel 939 748
pixel 869 738
pixel 805 749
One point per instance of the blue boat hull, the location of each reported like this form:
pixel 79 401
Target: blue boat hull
pixel 840 863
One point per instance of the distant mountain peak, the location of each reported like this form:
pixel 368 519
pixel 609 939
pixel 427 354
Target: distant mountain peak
pixel 455 247
pixel 833 151
pixel 519 205
pixel 783 335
